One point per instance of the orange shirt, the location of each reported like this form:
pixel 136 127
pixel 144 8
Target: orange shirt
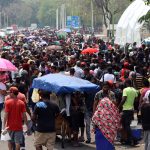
pixel 15 109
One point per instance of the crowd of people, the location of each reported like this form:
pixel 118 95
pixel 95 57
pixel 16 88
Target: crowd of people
pixel 123 76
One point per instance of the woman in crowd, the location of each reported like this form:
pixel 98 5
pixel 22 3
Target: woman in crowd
pixel 106 121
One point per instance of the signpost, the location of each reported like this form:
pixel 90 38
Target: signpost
pixel 73 22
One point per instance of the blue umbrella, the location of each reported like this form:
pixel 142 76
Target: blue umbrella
pixel 60 84
pixel 146 41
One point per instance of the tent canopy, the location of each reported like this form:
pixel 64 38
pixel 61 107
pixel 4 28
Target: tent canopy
pixel 60 84
pixel 128 27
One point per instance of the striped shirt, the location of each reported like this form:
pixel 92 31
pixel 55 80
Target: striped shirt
pixel 139 81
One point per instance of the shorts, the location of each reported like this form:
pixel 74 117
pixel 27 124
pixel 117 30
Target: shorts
pixel 16 137
pixel 45 139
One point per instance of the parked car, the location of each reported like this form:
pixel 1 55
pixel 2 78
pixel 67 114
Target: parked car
pixel 2 33
pixel 10 30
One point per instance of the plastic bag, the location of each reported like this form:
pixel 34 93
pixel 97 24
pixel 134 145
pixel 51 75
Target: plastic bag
pixel 5 137
pixel 35 96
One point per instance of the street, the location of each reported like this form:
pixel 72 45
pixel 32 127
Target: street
pixel 68 146
pixel 30 146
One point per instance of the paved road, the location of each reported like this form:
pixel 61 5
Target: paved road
pixel 30 141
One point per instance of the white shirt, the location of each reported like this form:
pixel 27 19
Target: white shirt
pixel 2 87
pixel 68 102
pixel 108 77
pixel 78 72
pixel 146 97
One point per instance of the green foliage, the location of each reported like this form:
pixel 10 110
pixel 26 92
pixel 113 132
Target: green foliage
pixel 145 17
pixel 4 3
pixel 43 12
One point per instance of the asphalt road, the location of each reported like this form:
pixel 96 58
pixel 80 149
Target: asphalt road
pixel 68 146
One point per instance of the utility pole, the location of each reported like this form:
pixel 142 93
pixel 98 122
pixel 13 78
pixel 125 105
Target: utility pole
pixel 4 23
pixel 7 21
pixel 57 18
pixel 92 16
pixel 65 16
pixel 61 17
pixel 0 19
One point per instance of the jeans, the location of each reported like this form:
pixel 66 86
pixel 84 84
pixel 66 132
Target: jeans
pixel 147 140
pixel 1 108
pixel 88 116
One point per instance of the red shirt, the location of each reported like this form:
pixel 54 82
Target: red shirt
pixel 15 109
pixel 123 71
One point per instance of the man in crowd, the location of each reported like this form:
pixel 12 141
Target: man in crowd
pixel 44 116
pixel 15 113
pixel 109 76
pixel 78 71
pixel 105 92
pixel 127 103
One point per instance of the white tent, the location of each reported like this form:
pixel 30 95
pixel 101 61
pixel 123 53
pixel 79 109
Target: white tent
pixel 128 27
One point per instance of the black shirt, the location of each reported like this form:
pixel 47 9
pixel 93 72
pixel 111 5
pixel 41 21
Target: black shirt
pixel 46 113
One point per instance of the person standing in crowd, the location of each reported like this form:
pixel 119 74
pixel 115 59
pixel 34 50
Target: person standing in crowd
pixel 15 113
pixel 78 71
pixel 2 97
pixel 77 117
pixel 4 78
pixel 146 87
pixel 109 76
pixel 105 92
pixel 139 78
pixel 124 69
pixel 89 99
pixel 145 111
pixel 44 116
pixel 21 97
pixel 127 106
pixel 106 122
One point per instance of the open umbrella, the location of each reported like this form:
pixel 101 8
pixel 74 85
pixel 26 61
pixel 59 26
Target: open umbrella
pixel 89 51
pixel 61 34
pixel 43 43
pixel 60 84
pixel 21 35
pixel 146 41
pixel 56 43
pixel 65 30
pixel 6 65
pixel 6 48
pixel 31 37
pixel 54 47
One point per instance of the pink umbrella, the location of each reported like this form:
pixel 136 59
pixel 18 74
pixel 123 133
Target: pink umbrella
pixel 6 65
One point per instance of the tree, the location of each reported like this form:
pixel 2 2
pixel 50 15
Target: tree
pixel 4 3
pixel 110 8
pixel 34 5
pixel 19 13
pixel 111 11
